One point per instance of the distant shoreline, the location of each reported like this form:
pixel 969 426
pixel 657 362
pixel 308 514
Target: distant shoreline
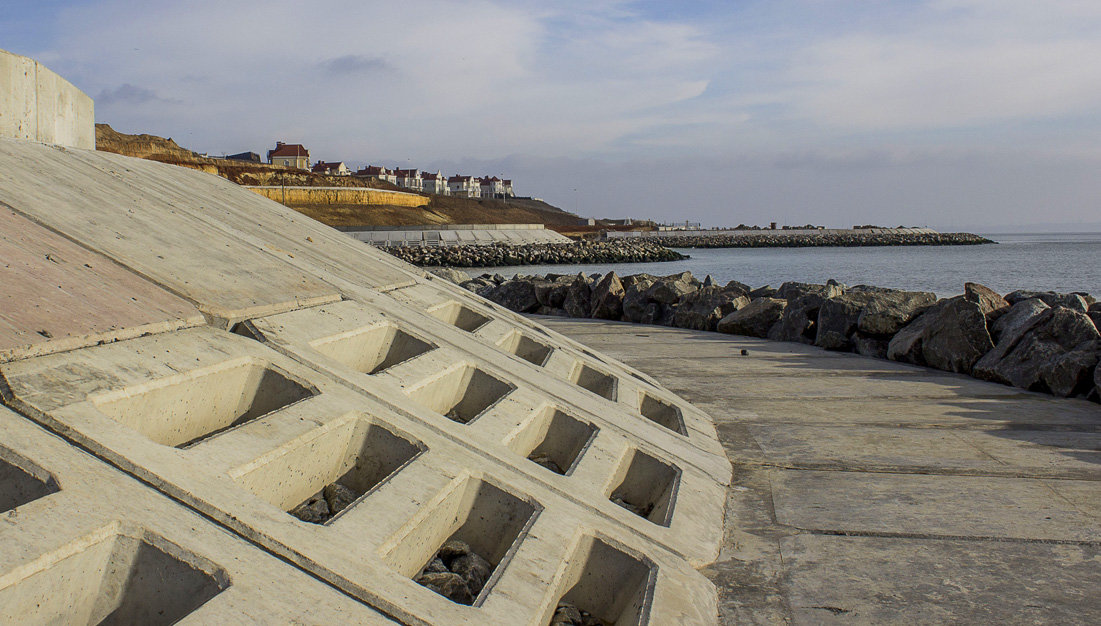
pixel 811 239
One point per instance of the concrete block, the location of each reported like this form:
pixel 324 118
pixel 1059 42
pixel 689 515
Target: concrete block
pixel 38 105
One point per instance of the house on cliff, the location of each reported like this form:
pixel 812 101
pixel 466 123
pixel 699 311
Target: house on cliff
pixel 378 173
pixel 337 168
pixel 290 155
pixel 410 179
pixel 434 183
pixel 464 186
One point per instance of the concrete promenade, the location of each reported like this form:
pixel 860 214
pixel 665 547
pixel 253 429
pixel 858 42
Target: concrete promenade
pixel 867 491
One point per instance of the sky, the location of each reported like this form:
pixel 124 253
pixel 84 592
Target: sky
pixel 955 114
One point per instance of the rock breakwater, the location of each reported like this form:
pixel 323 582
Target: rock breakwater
pixel 1039 341
pixel 854 238
pixel 501 254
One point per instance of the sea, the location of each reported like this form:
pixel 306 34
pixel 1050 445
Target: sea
pixel 1062 262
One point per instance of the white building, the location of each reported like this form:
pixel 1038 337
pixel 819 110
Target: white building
pixel 464 186
pixel 378 173
pixel 434 183
pixel 410 179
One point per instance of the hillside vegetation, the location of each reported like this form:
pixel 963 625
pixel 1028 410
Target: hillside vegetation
pixel 440 209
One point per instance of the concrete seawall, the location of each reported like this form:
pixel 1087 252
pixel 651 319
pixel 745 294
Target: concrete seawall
pixel 38 105
pixel 293 196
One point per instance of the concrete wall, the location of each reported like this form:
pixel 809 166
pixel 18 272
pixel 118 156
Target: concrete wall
pixel 38 105
pixel 339 195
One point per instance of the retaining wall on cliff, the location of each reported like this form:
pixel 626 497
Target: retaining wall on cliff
pixel 295 196
pixel 38 105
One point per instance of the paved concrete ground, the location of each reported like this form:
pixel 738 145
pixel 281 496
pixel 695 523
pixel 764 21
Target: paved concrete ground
pixel 868 491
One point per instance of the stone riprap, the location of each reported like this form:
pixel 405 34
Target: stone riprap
pixel 230 360
pixel 1040 341
pixel 500 254
pixel 834 239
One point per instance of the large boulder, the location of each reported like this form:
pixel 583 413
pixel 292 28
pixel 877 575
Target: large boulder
pixel 838 317
pixel 870 345
pixel 551 292
pixel 578 300
pixel 1057 354
pixel 890 309
pixel 669 290
pixel 1071 301
pixel 798 320
pixel 992 303
pixel 607 298
pixel 754 319
pixel 762 292
pixel 635 300
pixel 702 309
pixel 950 336
pixel 1006 332
pixel 793 291
pixel 516 295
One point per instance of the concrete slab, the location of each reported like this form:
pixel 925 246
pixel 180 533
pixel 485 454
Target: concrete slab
pixel 102 543
pixel 869 580
pixel 59 296
pixel 950 500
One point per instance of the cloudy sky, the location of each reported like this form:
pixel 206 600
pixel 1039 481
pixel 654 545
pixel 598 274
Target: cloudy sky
pixel 979 114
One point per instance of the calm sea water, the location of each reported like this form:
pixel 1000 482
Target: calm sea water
pixel 1042 261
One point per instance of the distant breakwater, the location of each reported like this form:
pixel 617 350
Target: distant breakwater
pixel 854 238
pixel 1040 341
pixel 503 254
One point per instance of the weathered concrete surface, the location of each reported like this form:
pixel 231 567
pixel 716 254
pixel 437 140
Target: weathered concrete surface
pixel 875 492
pixel 324 362
pixel 38 105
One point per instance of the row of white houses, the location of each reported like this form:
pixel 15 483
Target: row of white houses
pixel 296 155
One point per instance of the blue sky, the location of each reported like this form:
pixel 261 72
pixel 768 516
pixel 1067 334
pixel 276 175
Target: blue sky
pixel 949 113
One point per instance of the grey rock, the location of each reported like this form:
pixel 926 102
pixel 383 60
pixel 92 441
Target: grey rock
pixel 607 298
pixel 702 309
pixel 950 336
pixel 545 461
pixel 338 497
pixel 635 300
pixel 578 301
pixel 838 317
pixel 1006 332
pixel 1071 301
pixel 436 566
pixel 1096 317
pixel 550 293
pixel 667 291
pixel 792 290
pixel 474 569
pixel 449 585
pixel 755 319
pixel 870 345
pixel 515 295
pixel 566 615
pixel 743 288
pixel 1096 306
pixel 890 309
pixel 762 292
pixel 1056 354
pixel 453 549
pixel 314 510
pixel 798 320
pixel 992 304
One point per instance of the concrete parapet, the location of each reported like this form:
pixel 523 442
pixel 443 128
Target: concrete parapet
pixel 38 105
pixel 297 196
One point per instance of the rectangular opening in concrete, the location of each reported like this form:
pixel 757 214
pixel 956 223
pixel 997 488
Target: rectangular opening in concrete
pixel 373 350
pixel 22 481
pixel 113 579
pixel 474 517
pixel 523 346
pixel 647 487
pixel 662 413
pixel 602 384
pixel 184 409
pixel 330 470
pixel 553 439
pixel 605 585
pixel 459 315
pixel 462 393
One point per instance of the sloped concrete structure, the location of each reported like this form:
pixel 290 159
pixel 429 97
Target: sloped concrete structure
pixel 38 105
pixel 227 358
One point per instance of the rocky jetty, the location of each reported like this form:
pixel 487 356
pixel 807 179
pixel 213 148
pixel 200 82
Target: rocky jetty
pixel 575 252
pixel 854 238
pixel 1040 341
